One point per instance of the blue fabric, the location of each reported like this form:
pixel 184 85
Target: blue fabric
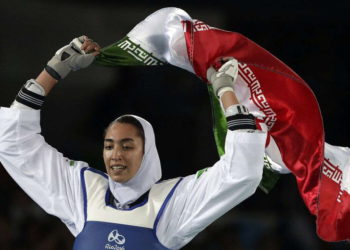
pixel 102 235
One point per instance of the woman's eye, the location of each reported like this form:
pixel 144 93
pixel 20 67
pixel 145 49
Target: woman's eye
pixel 126 147
pixel 108 147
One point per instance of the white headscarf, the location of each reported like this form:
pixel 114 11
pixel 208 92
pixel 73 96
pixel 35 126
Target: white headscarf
pixel 148 174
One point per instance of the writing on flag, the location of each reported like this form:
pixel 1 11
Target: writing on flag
pixel 335 174
pixel 258 97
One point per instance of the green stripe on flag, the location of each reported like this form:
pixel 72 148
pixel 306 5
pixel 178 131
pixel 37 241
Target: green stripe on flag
pixel 270 177
pixel 126 53
pixel 219 121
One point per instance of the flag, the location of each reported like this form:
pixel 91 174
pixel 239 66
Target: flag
pixel 267 87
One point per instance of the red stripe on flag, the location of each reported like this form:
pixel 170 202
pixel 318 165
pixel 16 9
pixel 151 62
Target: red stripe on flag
pixel 297 127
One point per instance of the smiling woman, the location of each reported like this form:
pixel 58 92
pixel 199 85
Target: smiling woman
pixel 123 150
pixel 128 207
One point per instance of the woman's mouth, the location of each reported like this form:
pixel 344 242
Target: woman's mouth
pixel 117 167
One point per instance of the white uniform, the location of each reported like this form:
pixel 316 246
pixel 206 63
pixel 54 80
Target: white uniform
pixel 54 182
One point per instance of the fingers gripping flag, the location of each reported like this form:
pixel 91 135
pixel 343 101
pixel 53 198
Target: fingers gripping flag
pixel 269 88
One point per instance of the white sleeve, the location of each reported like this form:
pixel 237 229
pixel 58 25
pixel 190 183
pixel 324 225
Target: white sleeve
pixel 49 178
pixel 200 200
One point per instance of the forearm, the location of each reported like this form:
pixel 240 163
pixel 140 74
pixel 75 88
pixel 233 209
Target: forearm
pixel 223 81
pixel 80 53
pixel 228 99
pixel 46 81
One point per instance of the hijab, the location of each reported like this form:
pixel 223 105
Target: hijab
pixel 147 175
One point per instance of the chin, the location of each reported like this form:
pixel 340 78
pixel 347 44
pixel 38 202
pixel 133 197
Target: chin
pixel 118 179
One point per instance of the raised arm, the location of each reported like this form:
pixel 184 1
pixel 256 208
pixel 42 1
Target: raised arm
pixel 48 177
pixel 80 53
pixel 202 198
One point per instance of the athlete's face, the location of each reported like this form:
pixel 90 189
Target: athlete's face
pixel 122 151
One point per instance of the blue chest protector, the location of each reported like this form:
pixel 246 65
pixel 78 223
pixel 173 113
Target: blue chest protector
pixel 109 228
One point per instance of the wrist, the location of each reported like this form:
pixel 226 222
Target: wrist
pixel 236 109
pixel 228 98
pixel 46 81
pixel 53 73
pixel 223 90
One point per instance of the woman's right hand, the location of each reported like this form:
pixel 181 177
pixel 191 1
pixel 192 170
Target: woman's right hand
pixel 78 54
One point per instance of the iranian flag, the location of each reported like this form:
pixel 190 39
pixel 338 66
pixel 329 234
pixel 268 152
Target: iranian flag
pixel 272 92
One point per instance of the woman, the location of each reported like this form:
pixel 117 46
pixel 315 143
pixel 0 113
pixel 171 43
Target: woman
pixel 127 208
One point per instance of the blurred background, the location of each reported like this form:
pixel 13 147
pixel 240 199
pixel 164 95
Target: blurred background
pixel 309 36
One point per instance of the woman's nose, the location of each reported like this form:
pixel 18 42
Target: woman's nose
pixel 117 153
